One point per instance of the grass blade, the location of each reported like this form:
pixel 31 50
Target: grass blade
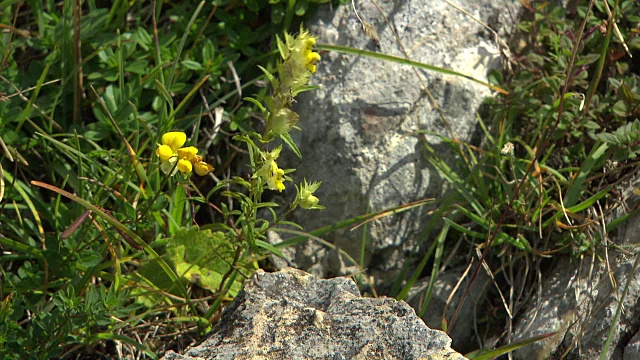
pixel 113 222
pixel 182 42
pixel 595 156
pixel 399 60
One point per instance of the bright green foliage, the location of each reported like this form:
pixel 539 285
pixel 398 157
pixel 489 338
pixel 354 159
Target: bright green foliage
pixel 551 198
pixel 204 257
pixel 557 154
pixel 96 239
pixel 200 257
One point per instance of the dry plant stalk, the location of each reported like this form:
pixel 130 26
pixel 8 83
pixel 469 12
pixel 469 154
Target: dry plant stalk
pixel 368 29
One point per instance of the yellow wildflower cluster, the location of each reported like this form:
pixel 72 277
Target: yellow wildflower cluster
pixel 292 77
pixel 270 173
pixel 298 64
pixel 171 152
pixel 298 61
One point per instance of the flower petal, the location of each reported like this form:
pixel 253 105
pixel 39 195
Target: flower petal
pixel 275 181
pixel 164 152
pixel 174 139
pixel 185 166
pixel 188 153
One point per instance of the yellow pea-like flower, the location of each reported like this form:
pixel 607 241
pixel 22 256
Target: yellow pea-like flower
pixel 174 139
pixel 164 152
pixel 175 158
pixel 202 168
pixel 189 153
pixel 184 166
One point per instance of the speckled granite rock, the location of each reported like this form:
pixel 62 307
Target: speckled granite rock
pixel 293 315
pixel 358 128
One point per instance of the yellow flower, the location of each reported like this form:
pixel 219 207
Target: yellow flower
pixel 167 152
pixel 189 153
pixel 299 62
pixel 185 166
pixel 202 168
pixel 311 57
pixel 269 172
pixel 171 151
pixel 174 139
pixel 275 180
pixel 312 60
pixel 164 152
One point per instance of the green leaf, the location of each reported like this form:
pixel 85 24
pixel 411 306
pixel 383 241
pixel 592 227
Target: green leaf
pixel 622 108
pixel 272 79
pixel 165 94
pixel 591 125
pixel 161 203
pixel 257 103
pixel 139 67
pixel 192 65
pixel 204 257
pixel 594 157
pixel 589 202
pixel 208 51
pixel 608 138
pixel 177 209
pixel 401 60
pixel 289 141
pixel 588 59
pixel 270 248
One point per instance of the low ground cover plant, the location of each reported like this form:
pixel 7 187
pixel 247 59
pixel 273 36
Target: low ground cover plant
pixel 555 174
pixel 122 226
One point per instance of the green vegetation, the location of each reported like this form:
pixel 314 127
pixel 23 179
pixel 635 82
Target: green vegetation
pixel 558 152
pixel 106 237
pixel 100 206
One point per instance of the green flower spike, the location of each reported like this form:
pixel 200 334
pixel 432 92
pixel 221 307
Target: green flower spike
pixel 270 173
pixel 305 197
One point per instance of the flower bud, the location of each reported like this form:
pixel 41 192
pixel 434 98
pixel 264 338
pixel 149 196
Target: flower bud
pixel 202 168
pixel 308 202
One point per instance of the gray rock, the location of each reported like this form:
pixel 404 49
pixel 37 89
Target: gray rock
pixel 293 315
pixel 579 300
pixel 358 130
pixel 632 350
